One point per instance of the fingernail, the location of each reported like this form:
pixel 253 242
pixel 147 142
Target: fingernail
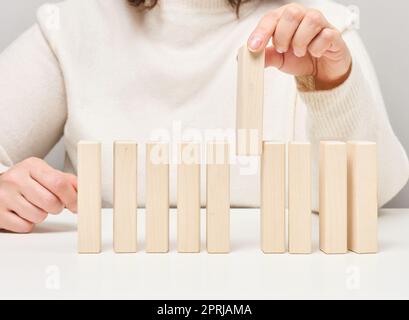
pixel 280 50
pixel 298 53
pixel 255 42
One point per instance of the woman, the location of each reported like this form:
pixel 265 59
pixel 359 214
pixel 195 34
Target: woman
pixel 113 69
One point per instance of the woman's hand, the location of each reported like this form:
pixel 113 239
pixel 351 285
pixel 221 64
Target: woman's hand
pixel 303 44
pixel 32 189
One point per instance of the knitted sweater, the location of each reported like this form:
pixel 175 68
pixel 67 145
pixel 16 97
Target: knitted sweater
pixel 103 70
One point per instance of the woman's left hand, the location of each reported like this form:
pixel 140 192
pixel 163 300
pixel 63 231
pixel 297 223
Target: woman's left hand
pixel 303 44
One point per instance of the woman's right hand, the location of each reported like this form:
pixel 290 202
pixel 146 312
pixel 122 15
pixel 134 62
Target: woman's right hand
pixel 32 189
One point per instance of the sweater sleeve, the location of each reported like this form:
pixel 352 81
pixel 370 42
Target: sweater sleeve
pixel 32 99
pixel 356 111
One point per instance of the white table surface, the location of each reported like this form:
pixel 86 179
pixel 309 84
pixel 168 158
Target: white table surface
pixel 45 264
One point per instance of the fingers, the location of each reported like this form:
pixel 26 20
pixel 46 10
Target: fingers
pixel 28 211
pixel 11 222
pixel 329 40
pixel 288 24
pixel 61 185
pixel 312 25
pixel 11 200
pixel 8 219
pixel 291 28
pixel 259 38
pixel 40 197
pixel 266 28
pixel 32 189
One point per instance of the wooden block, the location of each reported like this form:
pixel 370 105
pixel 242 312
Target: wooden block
pixel 188 198
pixel 157 198
pixel 218 198
pixel 250 99
pixel 299 198
pixel 362 197
pixel 273 190
pixel 89 197
pixel 125 200
pixel 333 197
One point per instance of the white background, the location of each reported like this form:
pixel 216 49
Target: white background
pixel 384 28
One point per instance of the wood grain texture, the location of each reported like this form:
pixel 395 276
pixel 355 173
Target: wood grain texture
pixel 125 196
pixel 362 197
pixel 188 198
pixel 89 197
pixel 273 188
pixel 157 198
pixel 218 198
pixel 299 198
pixel 250 100
pixel 333 197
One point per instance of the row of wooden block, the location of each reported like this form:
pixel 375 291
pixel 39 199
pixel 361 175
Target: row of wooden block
pixel 157 197
pixel 348 212
pixel 348 202
pixel 347 182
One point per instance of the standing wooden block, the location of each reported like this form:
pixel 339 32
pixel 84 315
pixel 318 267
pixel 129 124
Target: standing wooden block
pixel 333 197
pixel 218 198
pixel 362 197
pixel 125 202
pixel 188 198
pixel 250 99
pixel 157 198
pixel 299 198
pixel 273 197
pixel 89 197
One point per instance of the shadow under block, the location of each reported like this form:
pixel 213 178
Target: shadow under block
pixel 273 188
pixel 250 100
pixel 157 198
pixel 188 199
pixel 362 197
pixel 333 197
pixel 125 200
pixel 218 198
pixel 299 198
pixel 89 197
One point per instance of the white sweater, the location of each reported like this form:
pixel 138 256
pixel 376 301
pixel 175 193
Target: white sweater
pixel 102 70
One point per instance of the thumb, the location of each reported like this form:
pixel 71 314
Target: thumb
pixel 290 63
pixel 73 180
pixel 273 58
pixel 73 207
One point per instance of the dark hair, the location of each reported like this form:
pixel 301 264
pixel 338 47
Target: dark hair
pixel 150 4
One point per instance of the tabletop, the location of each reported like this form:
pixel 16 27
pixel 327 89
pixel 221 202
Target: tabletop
pixel 45 264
